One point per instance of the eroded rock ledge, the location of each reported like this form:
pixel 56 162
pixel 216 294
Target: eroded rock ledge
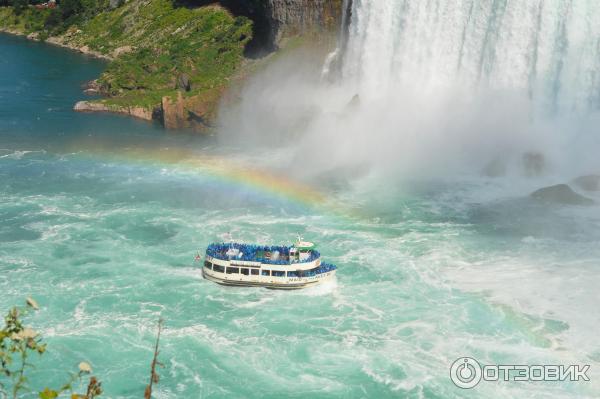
pixel 136 112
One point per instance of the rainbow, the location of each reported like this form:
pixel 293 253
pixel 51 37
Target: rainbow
pixel 220 168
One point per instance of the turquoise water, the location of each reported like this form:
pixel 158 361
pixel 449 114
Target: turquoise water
pixel 429 271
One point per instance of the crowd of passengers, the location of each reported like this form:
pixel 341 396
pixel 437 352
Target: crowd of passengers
pixel 258 253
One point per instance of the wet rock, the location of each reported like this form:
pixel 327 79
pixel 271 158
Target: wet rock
pixel 588 183
pixel 534 164
pixel 94 106
pixel 560 194
pixel 87 106
pixel 92 88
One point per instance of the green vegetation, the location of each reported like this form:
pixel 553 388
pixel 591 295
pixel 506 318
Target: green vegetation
pixel 153 44
pixel 25 17
pixel 18 344
pixel 162 43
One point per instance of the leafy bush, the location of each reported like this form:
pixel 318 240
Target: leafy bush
pixel 17 344
pixel 20 6
pixel 53 19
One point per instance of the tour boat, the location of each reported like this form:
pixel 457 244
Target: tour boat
pixel 278 267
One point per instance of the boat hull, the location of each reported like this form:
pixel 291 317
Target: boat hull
pixel 274 285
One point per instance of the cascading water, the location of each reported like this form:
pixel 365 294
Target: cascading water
pixel 332 62
pixel 547 50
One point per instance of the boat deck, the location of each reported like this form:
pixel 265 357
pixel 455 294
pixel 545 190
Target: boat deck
pixel 271 255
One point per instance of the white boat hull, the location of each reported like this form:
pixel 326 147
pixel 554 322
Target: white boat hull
pixel 279 283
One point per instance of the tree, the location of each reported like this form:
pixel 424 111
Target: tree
pixel 20 6
pixel 70 8
pixel 53 19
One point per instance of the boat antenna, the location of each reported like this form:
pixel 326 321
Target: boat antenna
pixel 229 238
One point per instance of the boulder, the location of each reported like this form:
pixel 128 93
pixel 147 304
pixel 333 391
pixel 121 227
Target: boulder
pixel 534 164
pixel 115 4
pixel 93 87
pixel 183 82
pixel 121 50
pixel 588 183
pixel 87 106
pixel 560 194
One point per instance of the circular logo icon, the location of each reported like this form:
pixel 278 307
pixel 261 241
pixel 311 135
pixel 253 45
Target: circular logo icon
pixel 465 372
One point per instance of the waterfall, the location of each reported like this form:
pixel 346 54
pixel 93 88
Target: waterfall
pixel 438 87
pixel 332 62
pixel 547 50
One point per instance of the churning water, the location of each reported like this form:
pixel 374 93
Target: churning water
pixel 102 215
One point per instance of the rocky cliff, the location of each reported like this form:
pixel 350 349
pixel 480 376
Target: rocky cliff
pixel 176 68
pixel 276 19
pixel 291 17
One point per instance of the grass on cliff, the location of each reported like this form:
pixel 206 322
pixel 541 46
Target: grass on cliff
pixel 153 43
pixel 160 43
pixel 28 21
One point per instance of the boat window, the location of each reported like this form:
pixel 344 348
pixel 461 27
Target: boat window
pixel 311 272
pixel 292 274
pixel 254 272
pixel 266 272
pixel 244 272
pixel 207 264
pixel 278 273
pixel 233 270
pixel 220 269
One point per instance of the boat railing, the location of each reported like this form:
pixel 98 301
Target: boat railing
pixel 323 268
pixel 249 253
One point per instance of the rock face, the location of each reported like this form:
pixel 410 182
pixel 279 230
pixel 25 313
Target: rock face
pixel 173 112
pixel 193 112
pixel 561 194
pixel 588 183
pixel 183 82
pixel 93 87
pixel 291 17
pixel 276 19
pixel 136 112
